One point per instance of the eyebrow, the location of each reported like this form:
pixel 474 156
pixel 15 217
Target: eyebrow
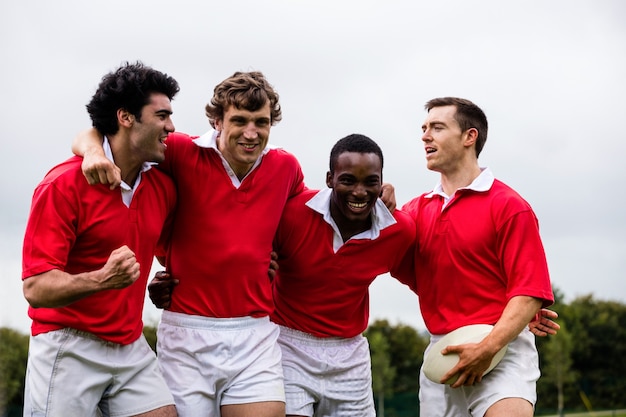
pixel 254 119
pixel 434 122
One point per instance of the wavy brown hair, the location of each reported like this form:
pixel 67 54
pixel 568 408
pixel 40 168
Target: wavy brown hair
pixel 244 90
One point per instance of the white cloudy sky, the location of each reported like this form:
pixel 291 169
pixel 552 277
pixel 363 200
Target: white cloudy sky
pixel 549 75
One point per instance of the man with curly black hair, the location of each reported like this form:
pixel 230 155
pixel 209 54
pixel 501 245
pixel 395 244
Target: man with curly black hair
pixel 86 259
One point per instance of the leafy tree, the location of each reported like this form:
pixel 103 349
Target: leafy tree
pixel 13 358
pixel 558 364
pixel 547 390
pixel 405 351
pixel 382 371
pixel 598 330
pixel 406 348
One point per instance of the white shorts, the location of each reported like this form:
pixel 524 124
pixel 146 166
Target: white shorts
pixel 209 362
pixel 515 377
pixel 73 373
pixel 326 376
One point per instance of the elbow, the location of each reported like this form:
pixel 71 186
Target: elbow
pixel 31 294
pixel 32 300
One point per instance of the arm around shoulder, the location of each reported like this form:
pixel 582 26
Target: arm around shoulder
pixel 96 167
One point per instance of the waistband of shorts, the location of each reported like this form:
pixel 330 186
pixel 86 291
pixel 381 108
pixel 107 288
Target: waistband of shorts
pixel 81 333
pixel 212 323
pixel 87 335
pixel 309 339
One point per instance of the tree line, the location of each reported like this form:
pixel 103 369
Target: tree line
pixel 582 366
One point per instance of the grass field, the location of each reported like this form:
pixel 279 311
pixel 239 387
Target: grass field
pixel 609 413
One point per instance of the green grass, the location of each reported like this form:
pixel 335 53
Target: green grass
pixel 610 413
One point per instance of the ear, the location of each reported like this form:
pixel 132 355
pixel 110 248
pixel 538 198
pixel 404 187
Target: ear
pixel 125 118
pixel 471 135
pixel 329 179
pixel 217 125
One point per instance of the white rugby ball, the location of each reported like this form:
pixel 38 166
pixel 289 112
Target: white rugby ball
pixel 437 365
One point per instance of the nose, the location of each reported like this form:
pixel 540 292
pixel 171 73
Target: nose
pixel 360 190
pixel 169 126
pixel 426 136
pixel 250 131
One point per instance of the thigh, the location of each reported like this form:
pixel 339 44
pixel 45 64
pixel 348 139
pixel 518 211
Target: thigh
pixel 254 367
pixel 326 377
pixel 167 411
pixel 511 407
pixel 63 375
pixel 348 381
pixel 432 398
pixel 439 400
pixel 138 386
pixel 513 380
pixel 209 363
pixel 192 379
pixel 260 409
pixel 303 373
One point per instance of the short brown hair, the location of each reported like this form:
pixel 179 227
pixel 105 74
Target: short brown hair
pixel 468 115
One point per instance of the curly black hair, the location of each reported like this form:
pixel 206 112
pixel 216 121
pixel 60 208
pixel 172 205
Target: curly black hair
pixel 129 87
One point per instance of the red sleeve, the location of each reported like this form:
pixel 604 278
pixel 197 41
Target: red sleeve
pixel 46 248
pixel 523 258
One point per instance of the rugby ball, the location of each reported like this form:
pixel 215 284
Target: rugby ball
pixel 437 365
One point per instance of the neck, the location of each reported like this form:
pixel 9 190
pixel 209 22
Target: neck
pixel 240 170
pixel 452 181
pixel 348 228
pixel 129 167
pixel 130 177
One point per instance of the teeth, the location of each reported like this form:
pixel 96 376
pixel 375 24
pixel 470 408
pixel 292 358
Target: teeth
pixel 247 146
pixel 357 205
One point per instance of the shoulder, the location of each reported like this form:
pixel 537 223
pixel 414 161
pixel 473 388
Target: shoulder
pixel 403 218
pixel 180 136
pixel 68 171
pixel 65 184
pixel 411 207
pixel 299 201
pixel 281 154
pixel 179 139
pixel 404 223
pixel 160 177
pixel 506 197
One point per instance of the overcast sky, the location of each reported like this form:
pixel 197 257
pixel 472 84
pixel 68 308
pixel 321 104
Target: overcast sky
pixel 550 76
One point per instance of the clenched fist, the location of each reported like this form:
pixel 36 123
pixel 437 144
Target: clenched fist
pixel 120 270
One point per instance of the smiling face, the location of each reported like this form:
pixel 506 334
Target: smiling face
pixel 356 183
pixel 243 136
pixel 447 146
pixel 148 133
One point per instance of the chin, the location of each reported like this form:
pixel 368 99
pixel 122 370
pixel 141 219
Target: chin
pixel 431 166
pixel 359 217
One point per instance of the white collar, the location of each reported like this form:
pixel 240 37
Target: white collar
pixel 126 190
pixel 481 183
pixel 381 217
pixel 209 141
pixel 106 146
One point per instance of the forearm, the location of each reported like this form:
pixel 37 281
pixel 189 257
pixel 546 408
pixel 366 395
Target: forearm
pixel 96 167
pixel 56 288
pixel 88 142
pixel 518 312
